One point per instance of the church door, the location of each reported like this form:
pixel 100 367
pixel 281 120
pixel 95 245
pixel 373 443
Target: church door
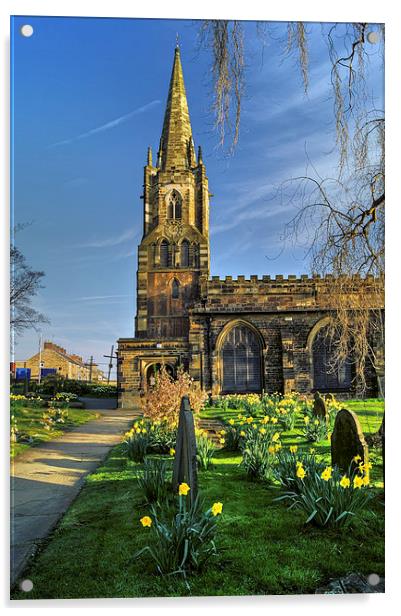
pixel 241 361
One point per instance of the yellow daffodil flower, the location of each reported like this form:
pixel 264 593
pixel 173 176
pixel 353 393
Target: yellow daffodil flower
pixel 357 458
pixel 183 489
pixel 146 521
pixel 275 437
pixel 262 430
pixel 274 420
pixel 345 482
pixel 301 472
pixel 222 441
pixel 358 481
pixel 172 451
pixel 242 433
pixel 306 419
pixel 294 448
pixel 326 475
pixel 217 508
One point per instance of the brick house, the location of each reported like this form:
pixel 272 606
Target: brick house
pixel 70 366
pixel 233 334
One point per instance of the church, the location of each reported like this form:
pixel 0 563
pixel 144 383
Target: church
pixel 233 335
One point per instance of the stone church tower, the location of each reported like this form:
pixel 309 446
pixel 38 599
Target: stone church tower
pixel 173 257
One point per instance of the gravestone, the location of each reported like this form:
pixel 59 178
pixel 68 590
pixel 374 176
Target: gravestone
pixel 185 469
pixel 347 441
pixel 319 407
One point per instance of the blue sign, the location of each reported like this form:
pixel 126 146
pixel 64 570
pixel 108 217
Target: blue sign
pixel 23 373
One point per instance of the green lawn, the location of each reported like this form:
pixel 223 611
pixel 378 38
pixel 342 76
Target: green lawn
pixel 263 547
pixel 28 421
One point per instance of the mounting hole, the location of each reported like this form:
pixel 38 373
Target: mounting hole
pixel 373 579
pixel 26 585
pixel 373 37
pixel 26 30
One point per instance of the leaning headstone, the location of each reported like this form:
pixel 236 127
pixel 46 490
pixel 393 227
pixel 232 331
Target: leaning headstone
pixel 347 441
pixel 319 407
pixel 185 469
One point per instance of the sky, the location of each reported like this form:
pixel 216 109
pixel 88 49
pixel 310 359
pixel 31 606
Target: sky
pixel 88 98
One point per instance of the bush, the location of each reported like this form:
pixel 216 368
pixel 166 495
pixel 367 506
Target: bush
pixel 286 466
pixel 329 498
pixel 136 443
pixel 162 402
pixel 153 481
pixel 259 447
pixel 315 428
pixel 185 543
pixel 162 436
pixel 205 451
pixel 53 417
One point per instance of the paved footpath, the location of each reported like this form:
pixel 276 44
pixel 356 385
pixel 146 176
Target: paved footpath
pixel 46 479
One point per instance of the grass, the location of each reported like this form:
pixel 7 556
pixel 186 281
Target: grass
pixel 29 422
pixel 263 547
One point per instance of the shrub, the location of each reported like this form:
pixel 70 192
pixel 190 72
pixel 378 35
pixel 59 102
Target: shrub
pixel 315 428
pixel 286 466
pixel 205 451
pixel 136 443
pixel 329 498
pixel 184 543
pixel 153 481
pixel 162 436
pixel 53 417
pixel 163 401
pixel 259 447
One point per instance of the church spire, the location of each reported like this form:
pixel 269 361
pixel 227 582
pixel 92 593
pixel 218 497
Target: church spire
pixel 176 144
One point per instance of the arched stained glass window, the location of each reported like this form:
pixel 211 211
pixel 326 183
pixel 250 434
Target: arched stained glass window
pixel 241 361
pixel 174 206
pixel 175 289
pixel 185 254
pixel 165 254
pixel 327 376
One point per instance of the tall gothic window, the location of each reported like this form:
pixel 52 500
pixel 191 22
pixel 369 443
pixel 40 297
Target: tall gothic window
pixel 185 254
pixel 241 361
pixel 326 375
pixel 195 255
pixel 174 206
pixel 175 289
pixel 165 254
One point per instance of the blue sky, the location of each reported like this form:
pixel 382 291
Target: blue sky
pixel 89 98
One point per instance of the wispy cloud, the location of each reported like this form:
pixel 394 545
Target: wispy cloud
pixel 108 125
pixel 125 236
pixel 97 298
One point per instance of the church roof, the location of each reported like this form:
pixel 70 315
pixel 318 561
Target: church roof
pixel 176 143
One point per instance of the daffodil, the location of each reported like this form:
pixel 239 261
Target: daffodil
pixel 275 437
pixel 249 420
pixel 146 521
pixel 265 419
pixel 222 432
pixel 183 489
pixel 326 475
pixel 312 450
pixel 172 451
pixel 262 430
pixel 217 508
pixel 294 448
pixel 316 422
pixel 306 419
pixel 272 449
pixel 357 458
pixel 301 472
pixel 358 481
pixel 242 433
pixel 274 420
pixel 222 441
pixel 345 482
